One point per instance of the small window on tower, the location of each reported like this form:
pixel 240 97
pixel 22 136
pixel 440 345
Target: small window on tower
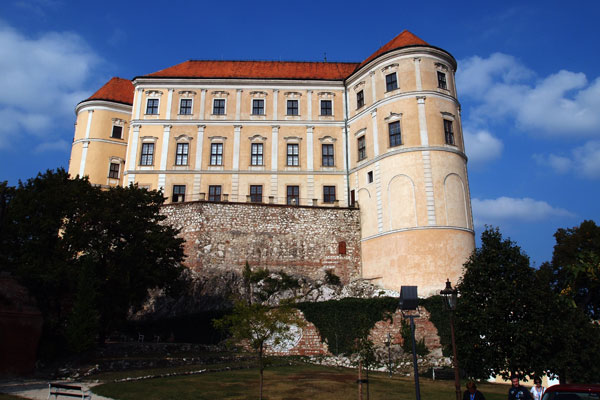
pixel 117 132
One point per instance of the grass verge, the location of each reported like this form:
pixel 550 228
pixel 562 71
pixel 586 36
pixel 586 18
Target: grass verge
pixel 297 382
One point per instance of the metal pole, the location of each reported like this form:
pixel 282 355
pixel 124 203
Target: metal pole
pixel 414 351
pixel 455 358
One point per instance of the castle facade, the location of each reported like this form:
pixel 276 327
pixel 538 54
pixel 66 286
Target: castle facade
pixel 383 135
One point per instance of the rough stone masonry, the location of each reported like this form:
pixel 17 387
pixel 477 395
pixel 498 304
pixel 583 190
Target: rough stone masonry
pixel 301 241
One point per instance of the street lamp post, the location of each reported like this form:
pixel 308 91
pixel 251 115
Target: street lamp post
pixel 450 296
pixel 409 301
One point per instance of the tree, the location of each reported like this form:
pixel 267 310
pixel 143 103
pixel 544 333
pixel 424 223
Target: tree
pixel 510 320
pixel 86 254
pixel 575 266
pixel 499 311
pixel 256 323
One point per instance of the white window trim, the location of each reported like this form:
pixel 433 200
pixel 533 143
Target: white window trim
pixel 332 108
pixel 397 82
pixel 299 107
pixel 115 160
pixel 143 140
pixel 157 108
pixel 264 106
pixel 191 109
pixel 213 106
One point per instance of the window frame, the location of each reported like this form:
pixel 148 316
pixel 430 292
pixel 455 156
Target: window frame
pixel 361 144
pixel 212 193
pixel 295 189
pixel 449 132
pixel 442 81
pixel 395 138
pixel 391 84
pixel 216 153
pixel 330 108
pixel 187 108
pixel 178 194
pixel 260 109
pixel 111 170
pixel 215 108
pixel 327 160
pixel 256 157
pixel 293 156
pixel 112 133
pixel 255 194
pixel 293 109
pixel 147 156
pixel 182 157
pixel 360 99
pixel 329 194
pixel 154 107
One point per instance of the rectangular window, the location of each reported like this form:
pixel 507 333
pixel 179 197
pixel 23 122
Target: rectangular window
pixel 185 107
pixel 328 194
pixel 257 154
pixel 214 193
pixel 152 106
pixel 219 106
pixel 293 195
pixel 113 172
pixel 293 158
pixel 370 177
pixel 362 148
pixel 395 135
pixel 181 155
pixel 391 82
pixel 327 150
pixel 441 80
pixel 448 132
pixel 292 107
pixel 216 154
pixel 147 154
pixel 256 193
pixel 258 107
pixel 326 107
pixel 360 99
pixel 117 132
pixel 178 193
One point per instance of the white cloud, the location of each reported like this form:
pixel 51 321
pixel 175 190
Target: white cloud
pixel 42 79
pixel 501 86
pixel 59 145
pixel 482 146
pixel 583 160
pixel 488 211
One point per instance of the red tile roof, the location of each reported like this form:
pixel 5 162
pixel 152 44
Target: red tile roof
pixel 117 89
pixel 404 39
pixel 257 70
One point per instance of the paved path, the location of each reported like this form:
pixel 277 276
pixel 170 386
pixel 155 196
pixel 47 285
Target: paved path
pixel 38 390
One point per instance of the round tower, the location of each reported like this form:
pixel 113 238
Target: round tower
pixel 101 133
pixel 408 168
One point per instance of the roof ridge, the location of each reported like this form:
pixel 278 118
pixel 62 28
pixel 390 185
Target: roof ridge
pixel 277 61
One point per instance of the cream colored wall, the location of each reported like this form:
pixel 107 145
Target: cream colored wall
pixel 425 258
pixel 102 148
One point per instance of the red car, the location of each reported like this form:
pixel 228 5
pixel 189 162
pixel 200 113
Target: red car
pixel 572 392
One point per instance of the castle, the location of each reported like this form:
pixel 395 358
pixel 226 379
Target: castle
pixel 382 137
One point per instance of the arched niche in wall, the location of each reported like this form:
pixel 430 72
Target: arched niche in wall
pixel 456 201
pixel 402 207
pixel 368 212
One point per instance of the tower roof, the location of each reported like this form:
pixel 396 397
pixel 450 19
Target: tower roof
pixel 118 90
pixel 404 39
pixel 257 70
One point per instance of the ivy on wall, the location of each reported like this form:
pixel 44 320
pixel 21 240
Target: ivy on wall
pixel 342 322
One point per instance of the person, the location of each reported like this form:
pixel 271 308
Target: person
pixel 472 393
pixel 518 392
pixel 537 391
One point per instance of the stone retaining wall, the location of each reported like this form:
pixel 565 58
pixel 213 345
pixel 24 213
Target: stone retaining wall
pixel 304 241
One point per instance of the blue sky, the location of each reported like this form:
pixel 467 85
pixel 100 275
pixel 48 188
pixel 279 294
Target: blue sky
pixel 528 81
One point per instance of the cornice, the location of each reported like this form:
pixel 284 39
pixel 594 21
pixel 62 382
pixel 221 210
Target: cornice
pixel 103 105
pixel 418 228
pixel 262 122
pixel 366 163
pixel 88 140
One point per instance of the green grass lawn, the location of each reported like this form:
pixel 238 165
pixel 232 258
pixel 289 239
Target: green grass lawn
pixel 298 382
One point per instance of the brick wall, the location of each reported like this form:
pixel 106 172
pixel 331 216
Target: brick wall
pixel 221 237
